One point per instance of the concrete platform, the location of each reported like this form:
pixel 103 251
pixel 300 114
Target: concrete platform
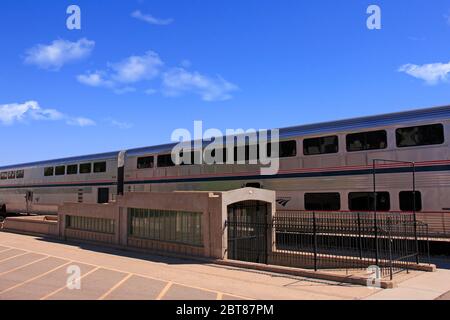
pixel 36 268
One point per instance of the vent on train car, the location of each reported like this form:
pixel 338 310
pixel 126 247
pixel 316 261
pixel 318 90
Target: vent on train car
pixel 80 195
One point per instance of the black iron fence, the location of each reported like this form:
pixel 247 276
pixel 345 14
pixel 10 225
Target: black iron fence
pixel 330 240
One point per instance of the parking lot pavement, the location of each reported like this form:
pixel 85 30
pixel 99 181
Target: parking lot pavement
pixel 39 269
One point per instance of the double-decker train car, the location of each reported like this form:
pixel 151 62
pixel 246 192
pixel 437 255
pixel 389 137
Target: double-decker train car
pixel 325 166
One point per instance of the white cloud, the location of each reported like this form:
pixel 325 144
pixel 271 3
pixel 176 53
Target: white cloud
pixel 150 91
pixel 119 124
pixel 81 122
pixel 130 70
pixel 137 68
pixel 30 110
pixel 150 19
pixel 178 80
pixel 53 56
pixel 94 79
pixel 431 73
pixel 128 75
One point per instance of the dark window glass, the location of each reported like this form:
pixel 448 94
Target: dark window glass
pixel 4 175
pixel 367 141
pixel 322 201
pixel 20 174
pixel 11 175
pixel 406 199
pixel 420 136
pixel 320 145
pixel 85 168
pixel 145 162
pixel 48 171
pixel 72 169
pixel 99 167
pixel 288 149
pixel 363 201
pixel 60 170
pixel 253 185
pixel 165 160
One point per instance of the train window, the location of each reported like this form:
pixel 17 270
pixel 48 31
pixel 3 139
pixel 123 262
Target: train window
pixel 193 157
pixel 20 174
pixel 320 145
pixel 85 168
pixel 165 160
pixel 48 171
pixel 72 169
pixel 322 201
pixel 420 135
pixel 60 170
pixel 11 175
pixel 363 201
pixel 288 149
pixel 406 200
pixel 4 175
pixel 256 185
pixel 99 167
pixel 145 162
pixel 367 141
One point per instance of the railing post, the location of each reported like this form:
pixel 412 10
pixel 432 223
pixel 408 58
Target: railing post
pixel 315 240
pixel 391 275
pixel 375 210
pixel 359 236
pixel 414 213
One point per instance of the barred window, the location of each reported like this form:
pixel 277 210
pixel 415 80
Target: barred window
pixel 164 225
pixel 90 224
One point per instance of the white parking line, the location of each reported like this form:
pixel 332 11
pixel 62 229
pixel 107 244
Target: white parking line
pixel 64 287
pixel 16 256
pixel 164 291
pixel 35 278
pixel 116 286
pixel 140 275
pixel 23 266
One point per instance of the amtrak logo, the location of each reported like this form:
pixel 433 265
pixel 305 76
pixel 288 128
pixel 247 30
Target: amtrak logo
pixel 283 201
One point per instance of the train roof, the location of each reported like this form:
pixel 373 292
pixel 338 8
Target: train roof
pixel 427 114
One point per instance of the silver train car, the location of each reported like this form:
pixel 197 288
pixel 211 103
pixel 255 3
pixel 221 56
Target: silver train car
pixel 325 166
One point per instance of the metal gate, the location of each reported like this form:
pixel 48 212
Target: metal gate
pixel 247 231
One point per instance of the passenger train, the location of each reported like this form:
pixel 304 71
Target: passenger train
pixel 325 166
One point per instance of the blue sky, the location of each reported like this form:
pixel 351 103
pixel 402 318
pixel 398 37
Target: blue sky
pixel 138 69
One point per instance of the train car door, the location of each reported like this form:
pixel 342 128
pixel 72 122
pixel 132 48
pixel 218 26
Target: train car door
pixel 29 201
